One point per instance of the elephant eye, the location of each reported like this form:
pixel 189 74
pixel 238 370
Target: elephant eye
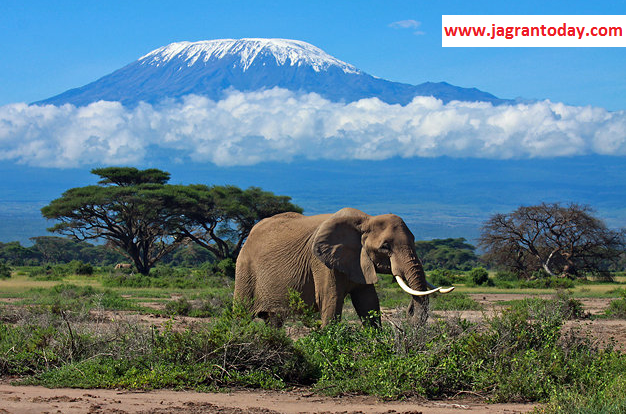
pixel 385 247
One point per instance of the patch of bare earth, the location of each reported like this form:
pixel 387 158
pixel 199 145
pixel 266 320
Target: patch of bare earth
pixel 30 399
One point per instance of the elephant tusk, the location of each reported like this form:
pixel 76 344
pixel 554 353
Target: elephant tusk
pixel 441 290
pixel 415 292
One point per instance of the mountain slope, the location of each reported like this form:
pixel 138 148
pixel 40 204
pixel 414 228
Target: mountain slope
pixel 210 67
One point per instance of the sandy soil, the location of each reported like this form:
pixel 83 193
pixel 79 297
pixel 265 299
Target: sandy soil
pixel 27 399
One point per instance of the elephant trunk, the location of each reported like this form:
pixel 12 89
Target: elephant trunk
pixel 409 273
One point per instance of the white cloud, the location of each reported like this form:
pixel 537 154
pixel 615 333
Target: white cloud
pixel 407 24
pixel 278 125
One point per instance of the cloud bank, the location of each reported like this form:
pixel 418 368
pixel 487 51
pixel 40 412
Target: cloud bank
pixel 279 125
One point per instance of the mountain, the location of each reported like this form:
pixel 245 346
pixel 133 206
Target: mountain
pixel 210 67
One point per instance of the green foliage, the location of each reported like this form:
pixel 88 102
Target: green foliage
pixel 441 277
pixel 505 276
pixel 77 267
pixel 519 354
pixel 210 304
pixel 479 276
pixel 552 282
pixel 561 307
pixel 609 399
pixel 219 218
pixel 617 307
pixel 129 208
pixel 450 254
pixel 180 306
pixel 73 297
pixel 301 311
pixel 5 270
pixel 454 301
pixel 59 271
pixel 234 350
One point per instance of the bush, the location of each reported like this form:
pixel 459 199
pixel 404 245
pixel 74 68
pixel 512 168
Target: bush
pixel 506 276
pixel 73 297
pixel 164 277
pixel 79 268
pixel 441 277
pixel 234 350
pixel 181 307
pixel 479 276
pixel 551 282
pixel 226 268
pixel 5 270
pixel 517 355
pixel 454 301
pixel 617 307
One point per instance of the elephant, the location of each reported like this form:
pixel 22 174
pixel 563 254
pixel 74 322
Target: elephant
pixel 326 257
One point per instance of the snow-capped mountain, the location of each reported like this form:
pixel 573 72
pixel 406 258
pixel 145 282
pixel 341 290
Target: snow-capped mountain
pixel 210 67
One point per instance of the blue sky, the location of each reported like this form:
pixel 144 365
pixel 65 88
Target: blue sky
pixel 48 47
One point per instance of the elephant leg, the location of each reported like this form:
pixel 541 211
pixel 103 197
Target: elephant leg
pixel 272 318
pixel 365 301
pixel 331 308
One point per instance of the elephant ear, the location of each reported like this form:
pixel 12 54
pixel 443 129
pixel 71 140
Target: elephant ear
pixel 337 243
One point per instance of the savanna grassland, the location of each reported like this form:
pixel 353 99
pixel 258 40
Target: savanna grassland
pixel 490 341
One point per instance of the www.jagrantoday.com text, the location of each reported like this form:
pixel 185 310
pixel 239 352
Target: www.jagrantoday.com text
pixel 510 32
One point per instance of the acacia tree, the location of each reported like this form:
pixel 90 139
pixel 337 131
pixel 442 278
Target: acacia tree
pixel 219 218
pixel 127 208
pixel 562 240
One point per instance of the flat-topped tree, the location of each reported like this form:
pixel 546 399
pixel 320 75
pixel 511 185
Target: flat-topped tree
pixel 219 218
pixel 127 208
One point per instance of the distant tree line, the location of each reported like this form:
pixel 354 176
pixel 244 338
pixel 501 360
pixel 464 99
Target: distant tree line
pixel 57 250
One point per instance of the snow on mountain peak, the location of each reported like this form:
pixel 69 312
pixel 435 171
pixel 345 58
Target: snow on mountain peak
pixel 284 51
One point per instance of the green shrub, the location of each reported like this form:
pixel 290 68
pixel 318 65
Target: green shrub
pixel 617 307
pixel 163 277
pixel 73 297
pixel 181 307
pixel 609 399
pixel 79 268
pixel 299 310
pixel 213 303
pixel 454 301
pixel 226 268
pixel 441 277
pixel 506 276
pixel 560 307
pixel 5 270
pixel 551 282
pixel 234 350
pixel 479 276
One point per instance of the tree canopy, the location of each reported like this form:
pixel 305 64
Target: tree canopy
pixel 219 218
pixel 561 240
pixel 146 219
pixel 450 254
pixel 126 208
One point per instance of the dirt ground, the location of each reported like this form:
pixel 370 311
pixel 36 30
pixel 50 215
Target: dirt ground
pixel 28 399
pixel 31 399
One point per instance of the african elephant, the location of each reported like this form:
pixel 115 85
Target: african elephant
pixel 325 258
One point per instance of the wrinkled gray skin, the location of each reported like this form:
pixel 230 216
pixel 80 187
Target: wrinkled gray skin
pixel 325 258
